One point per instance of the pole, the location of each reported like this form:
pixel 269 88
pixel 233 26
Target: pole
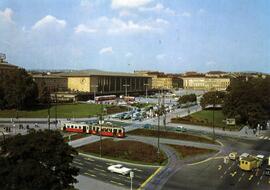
pixel 55 110
pixel 146 88
pixel 49 113
pixel 158 152
pixel 126 85
pixel 213 125
pixel 100 138
pixel 163 110
pixel 95 88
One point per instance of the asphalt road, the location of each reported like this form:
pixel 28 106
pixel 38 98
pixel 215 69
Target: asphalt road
pixel 97 169
pixel 215 174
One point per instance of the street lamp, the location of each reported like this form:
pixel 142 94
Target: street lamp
pixel 126 85
pixel 146 88
pixel 95 88
pixel 131 174
pixel 213 114
pixel 158 151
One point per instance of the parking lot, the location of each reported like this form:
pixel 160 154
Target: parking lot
pixel 97 169
pixel 215 174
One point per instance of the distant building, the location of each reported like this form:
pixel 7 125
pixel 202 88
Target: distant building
pixel 206 83
pixel 102 82
pixel 53 82
pixel 216 74
pixel 161 80
pixel 5 67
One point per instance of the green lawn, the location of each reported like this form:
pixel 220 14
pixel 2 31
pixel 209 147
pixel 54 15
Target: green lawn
pixel 205 117
pixel 63 111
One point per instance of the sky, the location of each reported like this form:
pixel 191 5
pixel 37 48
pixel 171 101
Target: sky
pixel 126 35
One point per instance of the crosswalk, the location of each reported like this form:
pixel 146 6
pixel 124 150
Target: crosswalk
pixel 264 137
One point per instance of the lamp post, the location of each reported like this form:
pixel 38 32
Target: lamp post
pixel 146 88
pixel 213 115
pixel 55 110
pixel 158 151
pixel 126 85
pixel 95 88
pixel 131 174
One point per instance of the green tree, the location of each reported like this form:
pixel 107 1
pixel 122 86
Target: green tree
pixel 39 160
pixel 187 98
pixel 248 100
pixel 18 90
pixel 212 98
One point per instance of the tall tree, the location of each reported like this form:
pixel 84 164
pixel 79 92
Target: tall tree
pixel 212 98
pixel 39 160
pixel 248 100
pixel 18 90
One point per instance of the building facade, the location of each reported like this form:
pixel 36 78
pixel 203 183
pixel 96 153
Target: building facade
pixel 206 83
pixel 5 67
pixel 107 82
pixel 161 80
pixel 53 83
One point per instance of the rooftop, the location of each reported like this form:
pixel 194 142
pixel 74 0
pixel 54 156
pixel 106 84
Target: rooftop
pixel 93 72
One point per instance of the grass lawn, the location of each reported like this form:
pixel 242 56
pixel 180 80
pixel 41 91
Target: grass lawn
pixel 64 111
pixel 188 151
pixel 205 118
pixel 125 150
pixel 170 135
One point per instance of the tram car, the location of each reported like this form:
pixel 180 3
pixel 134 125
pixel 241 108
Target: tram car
pixel 106 129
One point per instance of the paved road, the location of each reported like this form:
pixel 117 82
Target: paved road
pixel 97 169
pixel 215 175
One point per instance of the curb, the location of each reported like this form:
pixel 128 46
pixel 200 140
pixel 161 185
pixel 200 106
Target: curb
pixel 117 161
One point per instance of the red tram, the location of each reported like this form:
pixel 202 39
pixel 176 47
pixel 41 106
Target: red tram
pixel 97 129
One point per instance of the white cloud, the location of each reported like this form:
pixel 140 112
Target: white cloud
pixel 81 28
pixel 106 50
pixel 129 54
pixel 49 22
pixel 117 4
pixel 186 14
pixel 120 26
pixel 161 21
pixel 125 13
pixel 160 56
pixel 6 15
pixel 157 8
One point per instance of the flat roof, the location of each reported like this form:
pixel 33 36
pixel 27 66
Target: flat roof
pixel 100 73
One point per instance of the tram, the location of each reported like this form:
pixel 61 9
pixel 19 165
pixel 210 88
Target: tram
pixel 106 129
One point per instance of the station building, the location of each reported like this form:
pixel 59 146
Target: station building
pixel 101 82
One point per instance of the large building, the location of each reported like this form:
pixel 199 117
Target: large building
pixel 102 82
pixel 5 67
pixel 206 83
pixel 161 80
pixel 53 82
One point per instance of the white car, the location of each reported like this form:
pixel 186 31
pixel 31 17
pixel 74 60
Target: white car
pixel 118 168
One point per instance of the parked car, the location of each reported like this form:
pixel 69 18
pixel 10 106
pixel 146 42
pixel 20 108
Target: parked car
pixel 181 129
pixel 233 155
pixel 120 169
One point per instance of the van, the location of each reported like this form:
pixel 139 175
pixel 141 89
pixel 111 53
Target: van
pixel 242 156
pixel 233 155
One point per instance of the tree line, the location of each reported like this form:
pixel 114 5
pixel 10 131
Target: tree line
pixel 17 90
pixel 246 99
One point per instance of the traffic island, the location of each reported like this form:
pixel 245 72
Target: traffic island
pixel 171 135
pixel 188 151
pixel 125 150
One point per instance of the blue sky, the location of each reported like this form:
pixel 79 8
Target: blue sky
pixel 127 35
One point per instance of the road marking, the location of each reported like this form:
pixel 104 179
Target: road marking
pixel 250 177
pixel 88 159
pixel 239 179
pixel 99 166
pixel 261 137
pixel 99 169
pixel 221 176
pixel 225 172
pixel 233 174
pixel 116 183
pixel 149 178
pixel 265 138
pixel 219 167
pixel 78 163
pixel 137 170
pixel 86 173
